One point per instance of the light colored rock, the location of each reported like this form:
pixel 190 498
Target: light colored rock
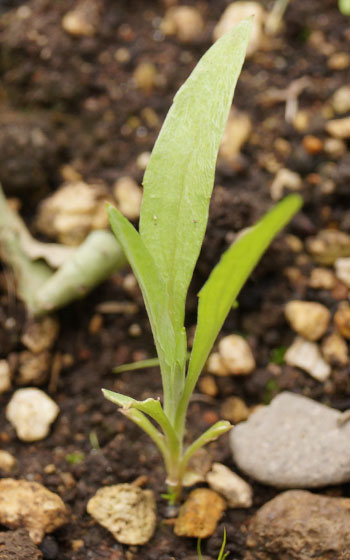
pixel 328 246
pixel 285 179
pixel 237 131
pixel 322 279
pixel 335 350
pixel 33 369
pixel 310 319
pixel 31 412
pixel 341 100
pixel 342 270
pixel 236 12
pixel 294 442
pixel 236 355
pixel 200 514
pixel 127 511
pixel 128 196
pixel 145 77
pixel 143 160
pixel 32 506
pixel 306 355
pixel 334 147
pixel 73 211
pixel 339 128
pixel 216 366
pixel 5 376
pixel 342 320
pixel 183 21
pixel 7 461
pixel 234 409
pixel 237 492
pixel 40 334
pixel 83 20
pixel 299 525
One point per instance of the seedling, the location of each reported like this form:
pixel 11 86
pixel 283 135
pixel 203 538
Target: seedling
pixel 222 553
pixel 177 188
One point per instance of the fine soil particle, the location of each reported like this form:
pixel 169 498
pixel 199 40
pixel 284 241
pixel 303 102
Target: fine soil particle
pixel 69 101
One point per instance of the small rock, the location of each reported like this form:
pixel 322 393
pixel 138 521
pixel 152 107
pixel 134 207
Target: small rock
pixel 342 320
pixel 7 461
pixel 310 319
pixel 33 368
pixel 339 128
pixel 72 212
pixel 235 410
pixel 238 11
pixel 200 514
pixel 294 442
pixel 237 131
pixel 83 20
pixel 299 525
pixel 128 196
pixel 328 246
pixel 285 179
pixel 307 356
pixel 31 506
pixel 341 100
pixel 335 350
pixel 312 144
pixel 183 21
pixel 40 334
pixel 237 492
pixel 31 412
pixel 125 510
pixel 342 270
pixel 339 61
pixel 5 376
pixel 234 358
pixel 208 386
pixel 17 545
pixel 334 147
pixel 145 76
pixel 322 279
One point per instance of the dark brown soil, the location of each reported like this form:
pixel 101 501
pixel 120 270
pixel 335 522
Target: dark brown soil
pixel 87 113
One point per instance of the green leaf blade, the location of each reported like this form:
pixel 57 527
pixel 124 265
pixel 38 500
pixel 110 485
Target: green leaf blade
pixel 179 178
pixel 226 280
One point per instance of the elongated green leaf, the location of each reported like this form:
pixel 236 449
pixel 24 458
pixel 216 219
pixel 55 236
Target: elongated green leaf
pixel 344 7
pixel 227 279
pixel 214 432
pixel 179 178
pixel 153 291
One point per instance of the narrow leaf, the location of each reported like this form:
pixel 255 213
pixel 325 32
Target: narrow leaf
pixel 228 277
pixel 211 434
pixel 179 178
pixel 133 366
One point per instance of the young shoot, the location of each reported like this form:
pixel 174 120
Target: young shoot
pixel 178 183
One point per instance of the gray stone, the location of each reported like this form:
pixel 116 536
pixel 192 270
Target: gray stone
pixel 294 442
pixel 299 525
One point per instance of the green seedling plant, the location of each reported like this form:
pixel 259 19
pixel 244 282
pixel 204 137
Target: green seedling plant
pixel 222 553
pixel 178 183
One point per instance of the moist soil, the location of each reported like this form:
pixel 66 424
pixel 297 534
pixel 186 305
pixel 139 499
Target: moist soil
pixel 82 104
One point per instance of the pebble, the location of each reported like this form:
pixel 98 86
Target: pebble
pixel 339 61
pixel 334 147
pixel 285 179
pixel 237 132
pixel 83 20
pixel 31 412
pixel 328 246
pixel 235 410
pixel 322 279
pixel 306 355
pixel 128 196
pixel 236 491
pixel 342 320
pixel 31 506
pixel 17 545
pixel 5 376
pixel 341 100
pixel 128 512
pixel 200 514
pixel 208 386
pixel 234 357
pixel 33 369
pixel 7 461
pixel 145 77
pixel 310 319
pixel 299 525
pixel 335 350
pixel 185 22
pixel 236 12
pixel 294 442
pixel 342 270
pixel 339 128
pixel 40 334
pixel 312 144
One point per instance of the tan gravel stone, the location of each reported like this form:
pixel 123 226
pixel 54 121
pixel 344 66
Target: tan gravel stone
pixel 237 492
pixel 335 350
pixel 322 279
pixel 310 319
pixel 7 461
pixel 185 22
pixel 200 514
pixel 342 320
pixel 236 355
pixel 237 131
pixel 31 412
pixel 328 246
pixel 40 334
pixel 307 356
pixel 339 128
pixel 33 368
pixel 235 410
pixel 128 196
pixel 5 376
pixel 342 270
pixel 32 506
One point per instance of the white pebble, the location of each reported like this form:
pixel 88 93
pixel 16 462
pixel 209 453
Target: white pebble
pixel 31 412
pixel 307 356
